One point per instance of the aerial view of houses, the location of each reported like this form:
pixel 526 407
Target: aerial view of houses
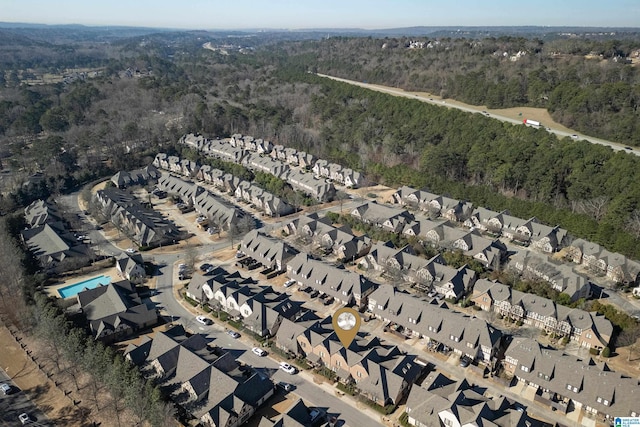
pixel 412 214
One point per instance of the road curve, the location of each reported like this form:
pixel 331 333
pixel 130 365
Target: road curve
pixel 472 109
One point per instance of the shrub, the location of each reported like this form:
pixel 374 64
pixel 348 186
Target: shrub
pixel 347 388
pixel 189 300
pixel 404 420
pixel 606 352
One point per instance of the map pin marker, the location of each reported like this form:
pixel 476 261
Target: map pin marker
pixel 346 324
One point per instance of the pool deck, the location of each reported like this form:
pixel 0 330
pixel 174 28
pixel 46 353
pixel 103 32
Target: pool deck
pixel 52 290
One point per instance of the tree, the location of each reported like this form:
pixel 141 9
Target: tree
pixel 629 338
pixel 190 257
pixel 341 196
pixel 233 233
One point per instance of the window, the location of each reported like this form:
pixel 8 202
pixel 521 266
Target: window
pixel 380 307
pixel 575 389
pixel 606 403
pixel 359 374
pixel 599 400
pixel 448 422
pixel 337 363
pixel 568 386
pixel 588 335
pixel 524 368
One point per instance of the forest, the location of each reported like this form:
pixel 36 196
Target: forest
pixel 588 85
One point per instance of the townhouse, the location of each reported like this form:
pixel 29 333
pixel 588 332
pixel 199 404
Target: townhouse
pixel 297 415
pixel 49 241
pixel 436 205
pixel 272 253
pixel 614 266
pixel 388 218
pixel 380 372
pixel 566 383
pixel 196 141
pixel 262 200
pixel 443 401
pixel 429 274
pixel 265 164
pixel 317 188
pixel 145 227
pixel 490 252
pixel 346 286
pixel 339 240
pixel 217 210
pixel 590 330
pixel 125 179
pixel 207 380
pixel 444 329
pixel 560 277
pixel 115 311
pixel 130 266
pixel 260 308
pixel 223 150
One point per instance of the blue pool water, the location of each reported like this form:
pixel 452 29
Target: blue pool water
pixel 72 290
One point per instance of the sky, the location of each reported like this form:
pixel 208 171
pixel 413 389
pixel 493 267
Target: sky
pixel 307 14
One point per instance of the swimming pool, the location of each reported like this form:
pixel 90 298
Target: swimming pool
pixel 72 290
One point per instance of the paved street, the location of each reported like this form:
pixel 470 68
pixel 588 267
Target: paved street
pixel 16 403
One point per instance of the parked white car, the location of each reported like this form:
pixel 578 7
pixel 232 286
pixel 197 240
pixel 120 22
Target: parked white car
pixel 258 351
pixel 204 320
pixel 289 282
pixel 287 368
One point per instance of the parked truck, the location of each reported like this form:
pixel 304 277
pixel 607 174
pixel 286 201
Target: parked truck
pixel 531 122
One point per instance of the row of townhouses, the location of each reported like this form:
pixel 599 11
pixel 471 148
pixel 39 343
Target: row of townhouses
pixel 566 383
pixel 464 335
pixel 48 239
pixel 530 231
pixel 272 253
pixel 348 287
pixel 590 330
pixel 144 226
pixel 338 240
pixel 242 190
pixel 560 276
pixel 207 380
pixel 124 179
pixel 489 252
pixel 259 307
pixel 440 400
pixel 290 156
pixel 381 372
pixel 315 186
pixel 214 208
